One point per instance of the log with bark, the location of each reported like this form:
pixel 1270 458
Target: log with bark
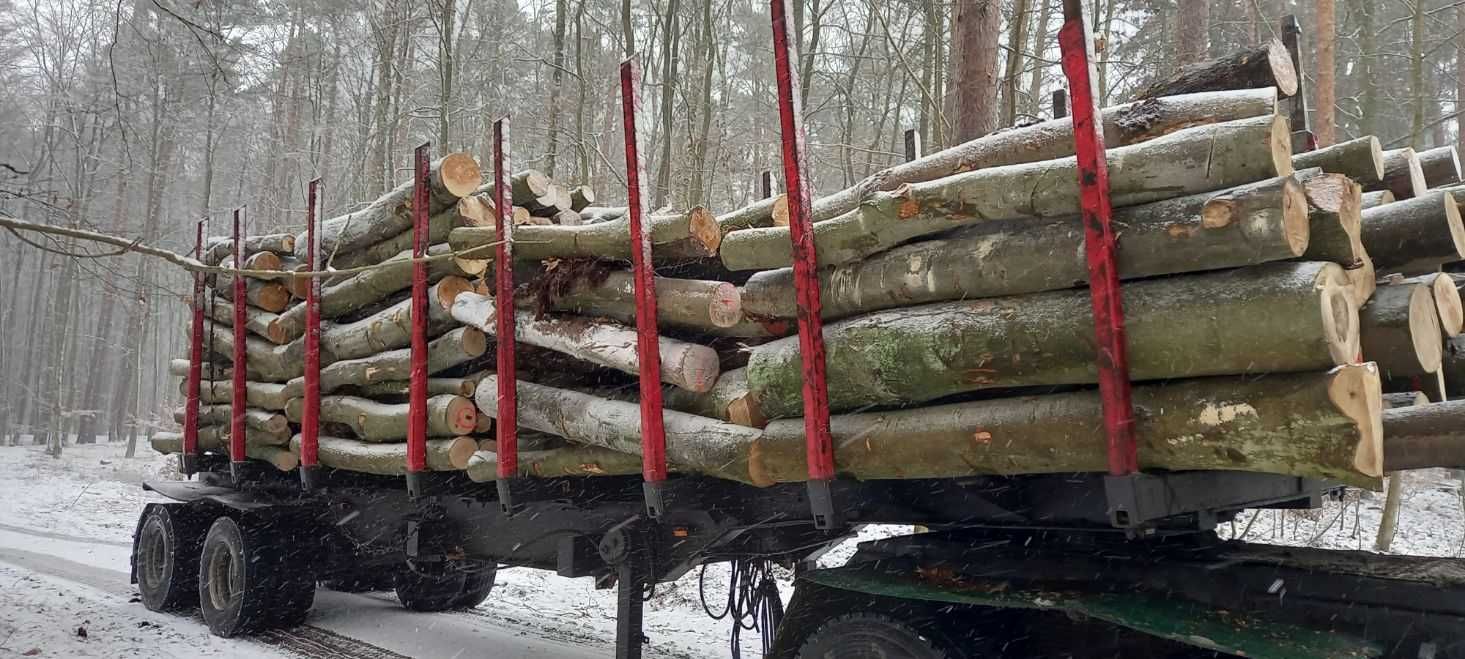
pixel 456 347
pixel 728 400
pixel 255 261
pixel 1318 425
pixel 438 228
pixel 1415 235
pixel 1402 175
pixel 372 421
pixel 610 240
pixel 265 395
pixel 256 320
pixel 1399 330
pixel 389 459
pixel 402 388
pixel 271 422
pixel 693 443
pixel 1334 215
pixel 1441 166
pixel 690 304
pixel 1425 436
pixel 1361 160
pixel 1270 318
pixel 282 458
pixel 581 197
pixel 391 328
pixel 267 361
pixel 1124 125
pixel 1377 198
pixel 610 344
pixel 219 249
pixel 1190 161
pixel 450 178
pixel 1264 221
pixel 574 460
pixel 1447 302
pixel 1266 66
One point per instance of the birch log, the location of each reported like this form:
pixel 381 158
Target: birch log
pixel 1272 318
pixel 612 345
pixel 1190 161
pixel 1316 425
pixel 1251 224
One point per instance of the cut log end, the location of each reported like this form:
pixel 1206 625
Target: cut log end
pixel 460 174
pixel 1281 142
pixel 1457 228
pixel 1295 227
pixel 1377 152
pixel 462 416
pixel 274 297
pixel 1448 305
pixel 694 369
pixel 780 210
pixel 474 267
pixel 702 224
pixel 1357 393
pixel 475 342
pixel 725 305
pixel 1282 69
pixel 460 450
pixel 1340 322
pixel 449 288
pixel 1424 329
pixel 1404 399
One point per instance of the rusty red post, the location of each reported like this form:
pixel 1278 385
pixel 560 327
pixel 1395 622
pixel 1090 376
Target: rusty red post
pixel 188 463
pixel 819 446
pixel 648 337
pixel 417 392
pixel 507 424
pixel 310 412
pixel 241 365
pixel 1077 48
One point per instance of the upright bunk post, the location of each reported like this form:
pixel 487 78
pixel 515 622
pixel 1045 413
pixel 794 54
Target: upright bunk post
pixel 507 425
pixel 819 445
pixel 188 463
pixel 648 337
pixel 241 358
pixel 1076 45
pixel 310 412
pixel 417 392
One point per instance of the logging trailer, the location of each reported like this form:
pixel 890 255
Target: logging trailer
pixel 1120 564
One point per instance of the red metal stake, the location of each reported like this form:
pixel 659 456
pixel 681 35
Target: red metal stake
pixel 819 446
pixel 417 393
pixel 310 414
pixel 189 461
pixel 507 444
pixel 1077 47
pixel 241 366
pixel 648 337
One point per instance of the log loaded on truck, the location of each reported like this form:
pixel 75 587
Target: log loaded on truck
pixel 920 349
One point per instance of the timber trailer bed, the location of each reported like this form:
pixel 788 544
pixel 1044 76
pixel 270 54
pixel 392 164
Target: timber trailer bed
pixel 1121 564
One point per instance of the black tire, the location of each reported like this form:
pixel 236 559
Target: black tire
pixel 874 636
pixel 165 557
pixel 418 590
pixel 236 579
pixel 476 587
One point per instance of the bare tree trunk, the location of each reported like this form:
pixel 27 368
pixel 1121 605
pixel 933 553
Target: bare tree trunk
pixel 1389 521
pixel 974 59
pixel 1326 38
pixel 1368 105
pixel 556 79
pixel 1016 44
pixel 671 43
pixel 707 50
pixel 385 56
pixel 1416 76
pixel 1460 73
pixel 628 29
pixel 1192 31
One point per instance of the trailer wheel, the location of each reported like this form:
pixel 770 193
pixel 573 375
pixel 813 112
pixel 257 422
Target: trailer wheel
pixel 874 636
pixel 418 590
pixel 293 598
pixel 236 590
pixel 165 557
pixel 476 587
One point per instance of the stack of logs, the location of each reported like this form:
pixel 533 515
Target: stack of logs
pixel 958 330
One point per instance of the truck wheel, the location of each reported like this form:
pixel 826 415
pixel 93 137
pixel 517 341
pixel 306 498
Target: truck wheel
pixel 236 590
pixel 873 636
pixel 293 599
pixel 165 557
pixel 476 587
pixel 420 591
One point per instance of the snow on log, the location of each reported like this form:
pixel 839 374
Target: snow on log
pixel 449 350
pixel 1425 436
pixel 1417 234
pixel 371 421
pixel 1265 66
pixel 450 178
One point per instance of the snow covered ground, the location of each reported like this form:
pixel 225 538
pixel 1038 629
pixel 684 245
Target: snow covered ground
pixel 66 526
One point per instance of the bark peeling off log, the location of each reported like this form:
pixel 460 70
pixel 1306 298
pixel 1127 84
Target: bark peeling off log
pixel 1272 318
pixel 1317 425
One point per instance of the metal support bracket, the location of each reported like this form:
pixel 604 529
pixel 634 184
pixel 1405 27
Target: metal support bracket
pixel 310 413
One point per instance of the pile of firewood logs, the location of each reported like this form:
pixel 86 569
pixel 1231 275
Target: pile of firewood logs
pixel 959 332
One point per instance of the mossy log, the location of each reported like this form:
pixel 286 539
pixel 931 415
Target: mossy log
pixel 219 248
pixel 690 304
pixel 1416 234
pixel 1317 425
pixel 364 289
pixel 282 458
pixel 267 361
pixel 449 179
pixel 389 459
pixel 610 344
pixel 694 443
pixel 1124 125
pixel 1425 436
pixel 372 421
pixel 220 415
pixel 391 328
pixel 271 296
pixel 1265 66
pixel 257 321
pixel 728 400
pixel 449 350
pixel 1255 223
pixel 1402 175
pixel 570 461
pixel 1377 198
pixel 1441 166
pixel 1361 160
pixel 1190 161
pixel 1270 318
pixel 1399 330
pixel 609 240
